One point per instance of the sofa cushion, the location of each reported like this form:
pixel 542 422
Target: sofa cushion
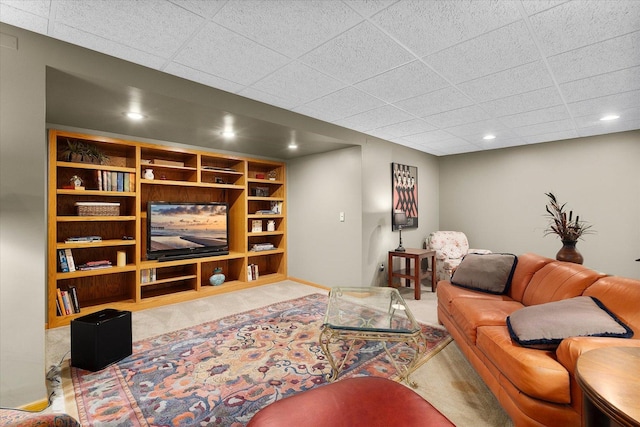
pixel 621 295
pixel 447 293
pixel 471 313
pixel 490 273
pixel 544 326
pixel 535 373
pixel 557 281
pixel 528 265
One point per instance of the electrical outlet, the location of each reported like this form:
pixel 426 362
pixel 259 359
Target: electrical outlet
pixel 341 216
pixel 381 267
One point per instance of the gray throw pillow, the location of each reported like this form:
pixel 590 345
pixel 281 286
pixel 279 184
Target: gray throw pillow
pixel 544 326
pixel 490 273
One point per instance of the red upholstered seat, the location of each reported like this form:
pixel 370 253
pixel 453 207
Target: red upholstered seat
pixel 352 402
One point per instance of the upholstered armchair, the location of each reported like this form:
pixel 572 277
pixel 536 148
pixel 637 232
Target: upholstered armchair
pixel 450 247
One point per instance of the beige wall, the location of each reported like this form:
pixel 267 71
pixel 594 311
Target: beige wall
pixel 497 197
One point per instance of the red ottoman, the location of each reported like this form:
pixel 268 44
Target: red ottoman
pixel 362 401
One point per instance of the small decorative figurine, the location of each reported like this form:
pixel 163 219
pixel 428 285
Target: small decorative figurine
pixel 148 174
pixel 217 278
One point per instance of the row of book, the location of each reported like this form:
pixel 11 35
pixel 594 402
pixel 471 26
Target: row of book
pixel 252 272
pixel 67 301
pixel 148 275
pixel 116 181
pixel 68 264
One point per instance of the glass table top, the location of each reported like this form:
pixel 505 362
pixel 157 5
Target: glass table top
pixel 373 309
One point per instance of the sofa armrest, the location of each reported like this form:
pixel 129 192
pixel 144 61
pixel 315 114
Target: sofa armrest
pixel 570 349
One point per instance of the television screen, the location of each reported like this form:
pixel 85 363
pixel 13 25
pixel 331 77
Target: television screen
pixel 186 229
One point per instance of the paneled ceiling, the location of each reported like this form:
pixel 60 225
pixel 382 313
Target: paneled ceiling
pixel 437 76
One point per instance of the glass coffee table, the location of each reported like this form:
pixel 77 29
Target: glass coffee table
pixel 371 314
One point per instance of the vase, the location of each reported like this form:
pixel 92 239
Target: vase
pixel 569 253
pixel 217 278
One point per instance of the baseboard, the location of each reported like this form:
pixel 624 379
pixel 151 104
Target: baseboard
pixel 35 406
pixel 306 282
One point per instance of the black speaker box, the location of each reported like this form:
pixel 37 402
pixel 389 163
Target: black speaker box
pixel 100 339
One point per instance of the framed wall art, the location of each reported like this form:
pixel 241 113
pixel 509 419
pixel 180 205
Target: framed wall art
pixel 404 181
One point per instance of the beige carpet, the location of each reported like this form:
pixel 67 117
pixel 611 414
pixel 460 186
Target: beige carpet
pixel 446 380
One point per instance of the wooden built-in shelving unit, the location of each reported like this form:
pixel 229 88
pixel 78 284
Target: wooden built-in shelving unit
pixel 247 185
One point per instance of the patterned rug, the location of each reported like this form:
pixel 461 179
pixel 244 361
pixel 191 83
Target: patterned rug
pixel 222 372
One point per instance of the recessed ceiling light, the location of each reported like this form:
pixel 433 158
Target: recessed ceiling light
pixel 488 137
pixel 134 115
pixel 293 145
pixel 228 133
pixel 610 117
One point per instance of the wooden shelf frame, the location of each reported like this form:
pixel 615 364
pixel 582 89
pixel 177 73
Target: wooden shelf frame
pixel 204 175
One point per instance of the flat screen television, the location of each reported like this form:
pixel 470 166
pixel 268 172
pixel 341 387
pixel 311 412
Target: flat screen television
pixel 185 230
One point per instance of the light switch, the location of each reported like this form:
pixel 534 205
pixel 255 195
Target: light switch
pixel 341 216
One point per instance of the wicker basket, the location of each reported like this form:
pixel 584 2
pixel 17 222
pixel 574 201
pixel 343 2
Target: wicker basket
pixel 98 209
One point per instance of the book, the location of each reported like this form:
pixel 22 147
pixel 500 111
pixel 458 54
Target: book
pixel 132 182
pixel 58 309
pixel 65 302
pixel 62 258
pixel 126 183
pixel 114 181
pixel 106 180
pixel 73 296
pixel 99 180
pixel 120 181
pixel 60 301
pixel 70 261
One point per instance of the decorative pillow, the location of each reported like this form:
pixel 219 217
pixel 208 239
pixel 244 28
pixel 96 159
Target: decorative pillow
pixel 490 273
pixel 544 326
pixel 452 251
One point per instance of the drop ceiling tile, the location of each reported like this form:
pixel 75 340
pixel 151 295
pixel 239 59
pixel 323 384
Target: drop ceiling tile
pixel 357 54
pixel 298 83
pixel 428 137
pixel 622 126
pixel 497 50
pixel 30 15
pixel 368 8
pixel 524 78
pixel 426 27
pixel 593 120
pixel 99 44
pixel 599 58
pixel 536 6
pixel 551 136
pixel 267 98
pixel 289 27
pixel 580 23
pixel 202 77
pixel 206 9
pixel 474 132
pixel 403 82
pixel 606 84
pixel 448 98
pixel 544 128
pixel 537 116
pixel 447 144
pixel 410 127
pixel 218 51
pixel 522 102
pixel 461 116
pixel 606 105
pixel 161 28
pixel 375 118
pixel 343 103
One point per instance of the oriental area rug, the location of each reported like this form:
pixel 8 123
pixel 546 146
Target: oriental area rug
pixel 220 373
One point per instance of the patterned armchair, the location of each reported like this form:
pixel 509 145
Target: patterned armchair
pixel 450 247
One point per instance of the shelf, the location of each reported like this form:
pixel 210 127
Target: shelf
pixel 264 253
pixel 266 233
pixel 190 184
pixel 94 166
pixel 167 167
pixel 95 193
pixel 265 199
pixel 99 244
pixel 157 264
pixel 170 280
pixel 264 181
pixel 76 218
pixel 99 272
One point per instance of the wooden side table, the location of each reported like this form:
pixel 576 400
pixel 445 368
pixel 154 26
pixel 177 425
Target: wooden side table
pixel 415 275
pixel 610 381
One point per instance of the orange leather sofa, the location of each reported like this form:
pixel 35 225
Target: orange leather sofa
pixel 535 387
